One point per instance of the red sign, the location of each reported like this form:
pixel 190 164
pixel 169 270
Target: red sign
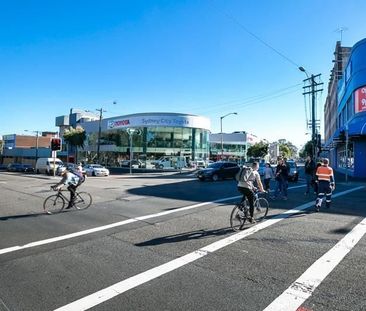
pixel 360 99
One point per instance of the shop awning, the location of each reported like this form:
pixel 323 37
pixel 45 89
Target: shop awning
pixel 357 126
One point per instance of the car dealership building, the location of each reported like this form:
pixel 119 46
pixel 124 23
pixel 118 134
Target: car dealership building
pixel 146 136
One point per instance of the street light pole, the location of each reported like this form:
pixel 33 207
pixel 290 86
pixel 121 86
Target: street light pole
pixel 222 135
pixel 99 131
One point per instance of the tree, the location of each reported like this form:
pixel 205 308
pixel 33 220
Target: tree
pixel 75 138
pixel 258 150
pixel 285 151
pixel 307 150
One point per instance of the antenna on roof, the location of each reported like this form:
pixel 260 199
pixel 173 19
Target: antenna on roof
pixel 340 31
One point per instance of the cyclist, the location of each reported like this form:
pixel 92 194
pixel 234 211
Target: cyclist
pixel 72 181
pixel 326 184
pixel 246 179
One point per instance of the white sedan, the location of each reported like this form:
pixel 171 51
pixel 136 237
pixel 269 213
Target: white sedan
pixel 96 170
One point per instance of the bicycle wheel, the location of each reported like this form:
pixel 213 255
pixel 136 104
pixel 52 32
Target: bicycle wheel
pixel 261 206
pixel 237 218
pixel 82 200
pixel 54 204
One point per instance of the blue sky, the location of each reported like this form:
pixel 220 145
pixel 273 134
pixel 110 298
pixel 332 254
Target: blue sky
pixel 194 56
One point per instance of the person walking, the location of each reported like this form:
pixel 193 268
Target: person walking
pixel 268 175
pixel 326 184
pixel 281 178
pixel 309 173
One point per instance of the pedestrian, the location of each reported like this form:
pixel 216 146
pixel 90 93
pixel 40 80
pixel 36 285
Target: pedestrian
pixel 281 178
pixel 315 182
pixel 326 184
pixel 309 173
pixel 288 171
pixel 268 175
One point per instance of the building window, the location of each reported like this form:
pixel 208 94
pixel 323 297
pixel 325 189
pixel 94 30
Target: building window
pixel 344 160
pixel 350 108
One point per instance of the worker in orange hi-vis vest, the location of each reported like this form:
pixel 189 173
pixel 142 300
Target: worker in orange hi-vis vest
pixel 326 184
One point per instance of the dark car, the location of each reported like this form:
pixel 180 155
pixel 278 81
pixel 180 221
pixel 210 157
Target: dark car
pixel 135 163
pixel 218 170
pixel 18 167
pixel 293 174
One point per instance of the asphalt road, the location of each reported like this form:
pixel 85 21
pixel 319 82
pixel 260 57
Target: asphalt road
pixel 163 242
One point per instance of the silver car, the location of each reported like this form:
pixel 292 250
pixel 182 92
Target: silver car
pixel 96 170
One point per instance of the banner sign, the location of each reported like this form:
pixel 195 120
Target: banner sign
pixel 160 120
pixel 360 99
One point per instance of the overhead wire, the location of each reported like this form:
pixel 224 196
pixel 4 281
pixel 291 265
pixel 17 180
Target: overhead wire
pixel 255 98
pixel 233 19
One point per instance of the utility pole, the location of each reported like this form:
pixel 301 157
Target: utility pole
pixel 99 131
pixel 312 88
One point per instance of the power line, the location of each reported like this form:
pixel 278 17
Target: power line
pixel 233 19
pixel 251 101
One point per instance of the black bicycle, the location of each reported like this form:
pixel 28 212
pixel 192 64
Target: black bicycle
pixel 56 203
pixel 240 213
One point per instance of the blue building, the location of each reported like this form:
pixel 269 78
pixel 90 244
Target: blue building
pixel 347 144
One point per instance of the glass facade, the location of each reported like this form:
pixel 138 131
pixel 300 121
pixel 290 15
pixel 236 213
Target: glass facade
pixel 147 144
pixel 344 160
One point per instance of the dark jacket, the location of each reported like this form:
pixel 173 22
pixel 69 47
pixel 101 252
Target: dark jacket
pixel 310 167
pixel 281 170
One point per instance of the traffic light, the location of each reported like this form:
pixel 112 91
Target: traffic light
pixel 56 144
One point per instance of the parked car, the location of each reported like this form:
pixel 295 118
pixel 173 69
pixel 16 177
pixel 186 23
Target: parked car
pixel 96 170
pixel 70 167
pixel 135 163
pixel 18 167
pixel 293 174
pixel 218 170
pixel 46 165
pixel 200 163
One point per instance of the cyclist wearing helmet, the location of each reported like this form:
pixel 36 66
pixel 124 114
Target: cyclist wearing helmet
pixel 72 181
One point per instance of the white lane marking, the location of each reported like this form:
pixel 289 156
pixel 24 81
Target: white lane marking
pixel 106 227
pixel 300 290
pixel 113 225
pixel 118 288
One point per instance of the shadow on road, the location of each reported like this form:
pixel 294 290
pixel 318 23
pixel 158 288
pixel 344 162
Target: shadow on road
pixel 186 236
pixel 4 218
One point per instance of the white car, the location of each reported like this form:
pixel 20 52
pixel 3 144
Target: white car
pixel 96 170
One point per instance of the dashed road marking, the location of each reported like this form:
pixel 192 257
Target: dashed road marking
pixel 300 290
pixel 116 289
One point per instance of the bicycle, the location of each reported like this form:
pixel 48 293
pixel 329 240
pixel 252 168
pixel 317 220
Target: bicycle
pixel 240 212
pixel 56 203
